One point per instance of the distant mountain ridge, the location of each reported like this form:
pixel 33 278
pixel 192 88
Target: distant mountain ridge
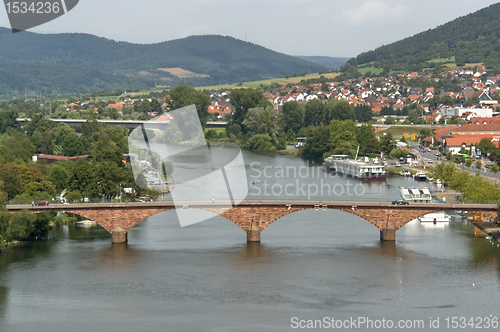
pixel 32 60
pixel 473 38
pixel 327 61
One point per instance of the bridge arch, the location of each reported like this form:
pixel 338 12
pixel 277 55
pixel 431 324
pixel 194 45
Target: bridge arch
pixel 254 217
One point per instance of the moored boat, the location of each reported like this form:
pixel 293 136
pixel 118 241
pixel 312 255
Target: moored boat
pixel 86 223
pixel 420 176
pixel 369 171
pixel 435 217
pixel 417 195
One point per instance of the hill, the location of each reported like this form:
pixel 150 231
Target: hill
pixel 473 38
pixel 327 61
pixel 74 62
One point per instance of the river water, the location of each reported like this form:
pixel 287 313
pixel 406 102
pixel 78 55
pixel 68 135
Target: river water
pixel 205 277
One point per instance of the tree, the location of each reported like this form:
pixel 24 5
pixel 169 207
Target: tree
pixel 73 196
pixel 293 116
pixel 72 145
pixel 413 117
pixel 110 175
pixel 468 162
pixel 261 143
pixel 184 95
pixel 387 143
pixel 339 110
pixel 495 168
pixel 262 121
pixel 390 120
pixel 59 176
pixel 479 164
pixel 20 147
pixel 363 113
pixel 317 142
pixel 313 113
pixel 486 146
pixel 425 133
pixel 245 99
pixel 84 181
pixel 11 177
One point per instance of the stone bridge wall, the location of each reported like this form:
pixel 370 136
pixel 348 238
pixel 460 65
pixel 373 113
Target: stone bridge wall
pixel 123 218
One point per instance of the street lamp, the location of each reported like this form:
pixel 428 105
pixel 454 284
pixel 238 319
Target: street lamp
pixel 253 193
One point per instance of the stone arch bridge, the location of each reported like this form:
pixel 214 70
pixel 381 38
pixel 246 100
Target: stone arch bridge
pixel 253 217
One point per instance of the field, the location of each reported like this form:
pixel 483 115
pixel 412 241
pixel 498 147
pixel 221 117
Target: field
pixel 373 70
pixel 181 73
pixel 399 131
pixel 258 84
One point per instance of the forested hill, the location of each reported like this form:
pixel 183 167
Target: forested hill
pixel 48 60
pixel 327 61
pixel 470 39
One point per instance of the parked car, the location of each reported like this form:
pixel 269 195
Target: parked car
pixel 430 161
pixel 42 203
pixel 400 202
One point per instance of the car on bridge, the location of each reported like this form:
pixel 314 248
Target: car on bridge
pixel 400 202
pixel 42 203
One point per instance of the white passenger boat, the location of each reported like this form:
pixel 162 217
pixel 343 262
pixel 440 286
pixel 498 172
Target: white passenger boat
pixel 417 195
pixel 435 217
pixel 369 171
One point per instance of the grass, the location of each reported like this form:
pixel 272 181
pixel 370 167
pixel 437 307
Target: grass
pixel 290 152
pixel 373 70
pixel 257 84
pixel 443 60
pixel 398 131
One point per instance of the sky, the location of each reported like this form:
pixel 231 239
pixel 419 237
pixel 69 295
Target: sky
pixel 294 27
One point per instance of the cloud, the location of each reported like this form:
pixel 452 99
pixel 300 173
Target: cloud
pixel 373 11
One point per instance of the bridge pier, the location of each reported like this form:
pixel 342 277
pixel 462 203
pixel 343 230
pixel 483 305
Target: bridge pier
pixel 118 235
pixel 253 232
pixel 388 233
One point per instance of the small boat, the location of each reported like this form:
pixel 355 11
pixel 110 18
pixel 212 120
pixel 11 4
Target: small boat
pixel 86 223
pixel 405 172
pixel 420 176
pixel 435 217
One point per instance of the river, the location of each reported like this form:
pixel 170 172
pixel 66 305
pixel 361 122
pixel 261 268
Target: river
pixel 205 277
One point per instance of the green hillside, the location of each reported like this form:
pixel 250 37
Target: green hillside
pixel 47 61
pixel 474 38
pixel 327 61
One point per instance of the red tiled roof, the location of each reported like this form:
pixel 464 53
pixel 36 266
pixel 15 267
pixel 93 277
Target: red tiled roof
pixel 443 130
pixel 468 140
pixel 478 128
pixel 53 157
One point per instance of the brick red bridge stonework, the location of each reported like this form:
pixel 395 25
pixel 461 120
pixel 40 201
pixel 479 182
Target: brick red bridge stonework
pixel 254 217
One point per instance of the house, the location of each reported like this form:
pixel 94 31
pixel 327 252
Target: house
pixel 434 118
pixel 458 111
pixel 52 158
pixel 481 120
pixel 455 143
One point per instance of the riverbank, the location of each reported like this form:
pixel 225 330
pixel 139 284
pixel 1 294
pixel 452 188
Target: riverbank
pixel 490 228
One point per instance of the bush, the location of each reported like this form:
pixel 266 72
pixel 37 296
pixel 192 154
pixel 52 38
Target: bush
pixel 398 153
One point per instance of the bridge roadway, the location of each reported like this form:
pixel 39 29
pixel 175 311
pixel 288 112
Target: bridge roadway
pixel 254 216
